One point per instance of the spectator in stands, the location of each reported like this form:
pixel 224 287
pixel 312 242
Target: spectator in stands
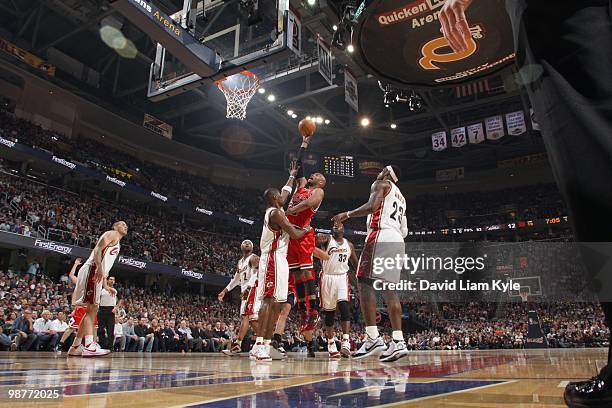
pixel 145 335
pixel 59 325
pixel 23 332
pixel 44 329
pixel 131 339
pixel 185 337
pixel 199 337
pixel 119 337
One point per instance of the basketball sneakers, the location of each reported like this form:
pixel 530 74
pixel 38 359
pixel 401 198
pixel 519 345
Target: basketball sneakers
pixel 94 350
pixel 333 350
pixel 345 348
pixel 75 351
pixel 260 353
pixel 370 347
pixel 396 349
pixel 234 350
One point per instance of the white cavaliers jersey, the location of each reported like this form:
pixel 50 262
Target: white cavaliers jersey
pixel 276 242
pixel 109 255
pixel 245 272
pixel 339 255
pixel 391 215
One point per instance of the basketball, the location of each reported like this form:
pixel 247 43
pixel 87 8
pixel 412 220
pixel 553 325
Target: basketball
pixel 307 127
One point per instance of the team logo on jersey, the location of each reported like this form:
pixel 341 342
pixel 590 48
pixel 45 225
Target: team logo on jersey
pixel 334 250
pixel 269 284
pixel 114 251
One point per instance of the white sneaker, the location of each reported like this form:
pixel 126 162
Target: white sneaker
pixel 94 350
pixel 75 351
pixel 333 350
pixel 261 354
pixel 345 348
pixel 370 347
pixel 395 351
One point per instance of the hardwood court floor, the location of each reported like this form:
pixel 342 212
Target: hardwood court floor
pixel 496 378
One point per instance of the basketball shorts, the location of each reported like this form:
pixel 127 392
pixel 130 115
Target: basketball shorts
pixel 87 291
pixel 251 305
pixel 299 255
pixel 381 245
pixel 333 289
pixel 77 315
pixel 273 277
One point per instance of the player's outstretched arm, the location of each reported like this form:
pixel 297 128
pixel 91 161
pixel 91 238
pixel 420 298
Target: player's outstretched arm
pixel 301 178
pixel 314 201
pixel 321 254
pixel 354 262
pixel 288 187
pixel 231 285
pixel 377 195
pixel 72 273
pixel 455 27
pixel 278 219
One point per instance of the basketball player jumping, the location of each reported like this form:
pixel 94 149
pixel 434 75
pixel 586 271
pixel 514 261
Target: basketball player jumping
pixel 246 277
pixel 304 203
pixel 273 267
pixel 387 229
pixel 90 280
pixel 334 287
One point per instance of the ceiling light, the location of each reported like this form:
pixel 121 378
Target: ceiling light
pixel 294 116
pixel 290 112
pixel 271 98
pixel 262 90
pixel 311 2
pixel 393 126
pixel 308 117
pixel 335 27
pixel 319 120
pixel 350 48
pixel 365 122
pixel 327 121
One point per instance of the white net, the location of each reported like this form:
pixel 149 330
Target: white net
pixel 238 90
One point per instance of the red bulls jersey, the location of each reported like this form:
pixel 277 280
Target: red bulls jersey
pixel 303 218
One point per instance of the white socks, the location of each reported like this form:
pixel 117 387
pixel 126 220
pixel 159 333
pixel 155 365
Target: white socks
pixel 88 340
pixel 259 340
pixel 397 335
pixel 345 337
pixel 372 332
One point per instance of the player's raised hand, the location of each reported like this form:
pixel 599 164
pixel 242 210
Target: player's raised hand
pixel 78 261
pixel 454 24
pixel 293 168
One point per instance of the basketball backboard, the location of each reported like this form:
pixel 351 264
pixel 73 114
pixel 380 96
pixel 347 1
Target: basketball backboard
pixel 243 33
pixel 530 284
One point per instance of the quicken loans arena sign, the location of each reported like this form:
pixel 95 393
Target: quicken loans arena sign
pixel 400 42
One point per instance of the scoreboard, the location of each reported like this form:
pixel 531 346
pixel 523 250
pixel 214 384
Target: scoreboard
pixel 342 166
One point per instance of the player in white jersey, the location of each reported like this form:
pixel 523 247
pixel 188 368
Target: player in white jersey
pixel 246 277
pixel 90 281
pixel 334 287
pixel 387 228
pixel 273 267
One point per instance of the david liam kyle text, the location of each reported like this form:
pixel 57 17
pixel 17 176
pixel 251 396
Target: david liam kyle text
pixel 449 285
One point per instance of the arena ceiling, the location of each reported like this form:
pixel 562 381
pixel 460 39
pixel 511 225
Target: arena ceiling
pixel 198 116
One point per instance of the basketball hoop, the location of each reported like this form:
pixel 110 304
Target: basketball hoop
pixel 238 90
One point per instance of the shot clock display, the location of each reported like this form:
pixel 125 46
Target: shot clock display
pixel 342 166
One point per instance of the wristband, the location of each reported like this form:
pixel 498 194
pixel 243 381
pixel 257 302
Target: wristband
pixel 292 177
pixel 288 189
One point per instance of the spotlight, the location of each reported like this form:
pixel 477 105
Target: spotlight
pixel 327 121
pixel 290 112
pixel 393 126
pixel 350 48
pixel 294 116
pixel 335 27
pixel 262 90
pixel 319 120
pixel 271 98
pixel 365 122
pixel 308 118
pixel 312 2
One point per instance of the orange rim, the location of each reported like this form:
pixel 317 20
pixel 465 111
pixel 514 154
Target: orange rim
pixel 223 88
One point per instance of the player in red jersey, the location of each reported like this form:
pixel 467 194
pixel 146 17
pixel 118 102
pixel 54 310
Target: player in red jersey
pixel 305 202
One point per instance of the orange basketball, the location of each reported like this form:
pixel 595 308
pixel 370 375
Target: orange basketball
pixel 307 127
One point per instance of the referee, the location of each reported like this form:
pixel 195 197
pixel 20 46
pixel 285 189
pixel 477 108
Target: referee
pixel 106 316
pixel 564 52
